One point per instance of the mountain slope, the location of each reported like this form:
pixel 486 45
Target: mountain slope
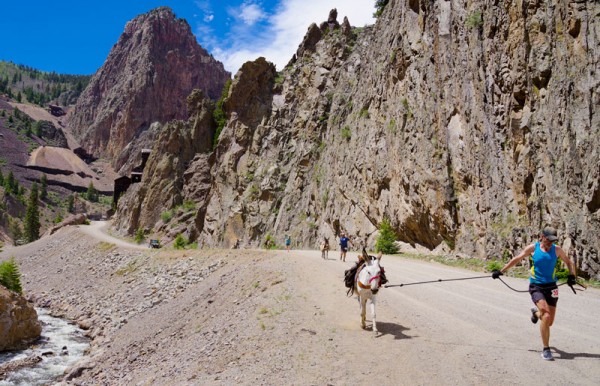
pixel 154 66
pixel 468 125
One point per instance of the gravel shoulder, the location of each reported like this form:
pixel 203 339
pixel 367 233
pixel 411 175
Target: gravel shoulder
pixel 222 317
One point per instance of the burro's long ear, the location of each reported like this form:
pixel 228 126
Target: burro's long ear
pixel 379 256
pixel 365 254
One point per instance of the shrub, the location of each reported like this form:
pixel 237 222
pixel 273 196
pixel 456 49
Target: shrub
pixel 10 276
pixel 270 242
pixel 386 240
pixel 346 133
pixel 139 235
pixel 494 265
pixel 180 242
pixel 474 20
pixel 379 7
pixel 188 206
pixel 166 216
pixel 219 115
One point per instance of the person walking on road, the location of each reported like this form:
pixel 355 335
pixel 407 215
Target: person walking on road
pixel 344 246
pixel 542 281
pixel 288 242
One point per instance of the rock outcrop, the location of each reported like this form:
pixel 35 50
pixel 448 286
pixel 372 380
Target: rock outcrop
pixel 466 124
pixel 19 324
pixel 146 78
pixel 75 219
pixel 177 148
pixel 54 136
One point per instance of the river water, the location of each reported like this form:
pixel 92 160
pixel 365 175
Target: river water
pixel 61 345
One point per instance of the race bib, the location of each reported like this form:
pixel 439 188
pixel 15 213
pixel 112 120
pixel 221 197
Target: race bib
pixel 555 293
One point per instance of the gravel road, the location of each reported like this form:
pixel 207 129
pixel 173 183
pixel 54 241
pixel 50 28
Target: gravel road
pixel 223 317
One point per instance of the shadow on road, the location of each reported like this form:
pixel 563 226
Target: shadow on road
pixel 571 356
pixel 394 329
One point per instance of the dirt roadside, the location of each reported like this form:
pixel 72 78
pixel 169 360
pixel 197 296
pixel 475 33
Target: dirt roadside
pixel 224 317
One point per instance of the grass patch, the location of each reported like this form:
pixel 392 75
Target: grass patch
pixel 346 133
pixel 474 20
pixel 127 269
pixel 105 247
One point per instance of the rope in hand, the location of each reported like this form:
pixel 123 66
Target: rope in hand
pixel 583 286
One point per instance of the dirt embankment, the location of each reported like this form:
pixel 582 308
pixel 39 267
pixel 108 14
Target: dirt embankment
pixel 223 317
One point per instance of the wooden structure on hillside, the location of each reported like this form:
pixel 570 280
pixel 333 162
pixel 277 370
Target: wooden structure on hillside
pixel 57 111
pixel 124 182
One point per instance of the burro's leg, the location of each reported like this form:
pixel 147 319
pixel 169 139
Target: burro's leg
pixel 363 312
pixel 373 313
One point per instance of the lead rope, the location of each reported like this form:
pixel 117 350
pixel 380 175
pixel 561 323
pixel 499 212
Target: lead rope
pixel 434 281
pixel 479 277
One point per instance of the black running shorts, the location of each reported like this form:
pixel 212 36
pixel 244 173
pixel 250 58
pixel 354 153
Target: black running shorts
pixel 548 292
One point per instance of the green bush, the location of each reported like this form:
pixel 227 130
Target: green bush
pixel 386 240
pixel 494 265
pixel 180 242
pixel 219 114
pixel 139 236
pixel 346 133
pixel 474 20
pixel 166 216
pixel 379 7
pixel 561 272
pixel 10 276
pixel 58 218
pixel 270 242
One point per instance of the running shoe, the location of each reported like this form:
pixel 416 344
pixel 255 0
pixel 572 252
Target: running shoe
pixel 547 355
pixel 534 317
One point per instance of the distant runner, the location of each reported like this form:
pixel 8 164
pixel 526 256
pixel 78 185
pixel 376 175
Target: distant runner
pixel 344 246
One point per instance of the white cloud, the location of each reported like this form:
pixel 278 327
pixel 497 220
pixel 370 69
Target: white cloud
pixel 251 13
pixel 208 18
pixel 286 28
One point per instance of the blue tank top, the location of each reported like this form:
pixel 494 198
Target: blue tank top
pixel 543 267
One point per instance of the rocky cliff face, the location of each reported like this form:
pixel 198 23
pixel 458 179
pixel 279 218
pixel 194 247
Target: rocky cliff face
pixel 19 324
pixel 469 125
pixel 146 78
pixel 178 150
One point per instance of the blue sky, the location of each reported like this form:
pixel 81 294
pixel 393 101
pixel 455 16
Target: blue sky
pixel 75 37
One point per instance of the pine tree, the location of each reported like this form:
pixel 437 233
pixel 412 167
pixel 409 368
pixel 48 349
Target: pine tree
pixel 386 241
pixel 44 187
pixel 10 276
pixel 14 229
pixel 32 216
pixel 70 204
pixel 92 193
pixel 10 184
pixel 379 7
pixel 1 178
